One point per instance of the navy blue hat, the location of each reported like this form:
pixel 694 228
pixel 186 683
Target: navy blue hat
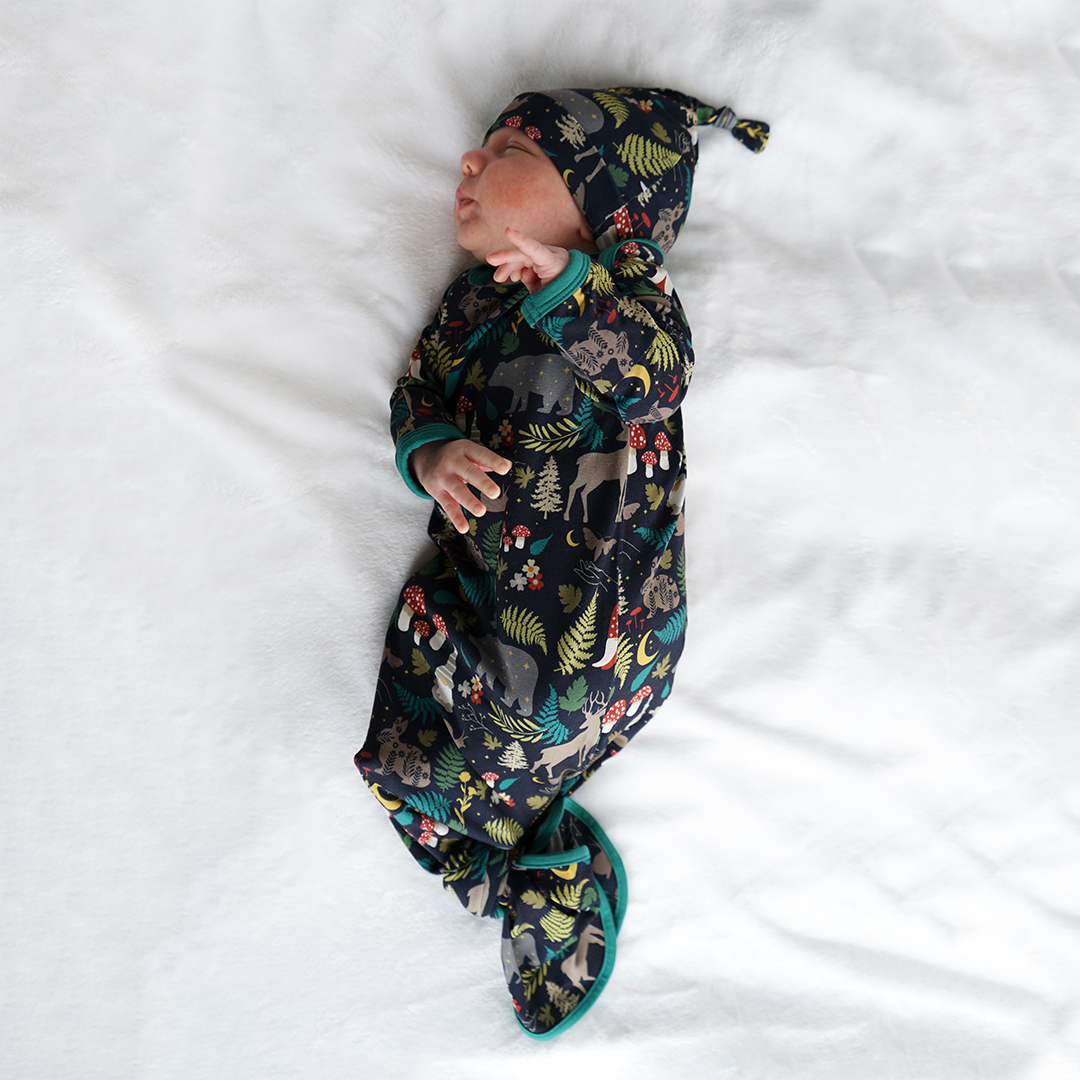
pixel 627 155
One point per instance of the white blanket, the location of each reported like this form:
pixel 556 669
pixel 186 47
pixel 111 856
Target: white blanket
pixel 851 832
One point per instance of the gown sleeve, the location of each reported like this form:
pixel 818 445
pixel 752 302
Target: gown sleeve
pixel 617 319
pixel 419 410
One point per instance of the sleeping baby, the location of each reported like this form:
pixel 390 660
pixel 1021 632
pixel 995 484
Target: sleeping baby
pixel 541 413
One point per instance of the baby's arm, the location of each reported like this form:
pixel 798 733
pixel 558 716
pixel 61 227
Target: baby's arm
pixel 448 471
pixel 617 319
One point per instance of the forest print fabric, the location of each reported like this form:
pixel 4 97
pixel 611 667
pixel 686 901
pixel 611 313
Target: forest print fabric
pixel 534 647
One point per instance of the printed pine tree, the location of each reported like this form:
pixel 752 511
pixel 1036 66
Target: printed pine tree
pixel 513 757
pixel 548 498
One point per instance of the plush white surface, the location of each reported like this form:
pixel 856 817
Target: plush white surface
pixel 851 834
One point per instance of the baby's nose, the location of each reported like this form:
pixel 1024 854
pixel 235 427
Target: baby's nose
pixel 471 162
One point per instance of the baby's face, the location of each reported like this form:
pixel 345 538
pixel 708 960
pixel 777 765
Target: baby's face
pixel 511 182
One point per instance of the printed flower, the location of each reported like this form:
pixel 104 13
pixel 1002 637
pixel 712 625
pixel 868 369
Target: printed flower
pixel 503 437
pixel 472 688
pixel 533 575
pixel 536 582
pixel 519 582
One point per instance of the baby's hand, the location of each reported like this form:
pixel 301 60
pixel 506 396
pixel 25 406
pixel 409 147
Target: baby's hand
pixel 448 470
pixel 528 261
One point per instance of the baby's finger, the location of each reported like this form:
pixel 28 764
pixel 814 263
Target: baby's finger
pixel 487 459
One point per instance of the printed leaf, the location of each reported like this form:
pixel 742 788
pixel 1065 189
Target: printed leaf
pixel 506 832
pixel 524 627
pixel 558 925
pixel 646 158
pixel 421 710
pixel 624 659
pixel 662 669
pixel 569 896
pixel 537 802
pixel 665 560
pixel 548 718
pixel 663 353
pixel 489 546
pixel 475 377
pixel 523 476
pixel 570 597
pixel 430 803
pixel 448 767
pixel 576 695
pixel 419 665
pixel 426 738
pixel 658 539
pixel 517 727
pixel 655 494
pixel 673 628
pixel 616 106
pixel 537 546
pixel 550 438
pixel 534 899
pixel 575 646
pixel 490 742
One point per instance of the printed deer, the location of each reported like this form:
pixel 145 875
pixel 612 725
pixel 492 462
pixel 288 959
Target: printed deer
pixel 580 744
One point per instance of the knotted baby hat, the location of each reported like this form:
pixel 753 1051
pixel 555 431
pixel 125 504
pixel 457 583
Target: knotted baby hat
pixel 627 155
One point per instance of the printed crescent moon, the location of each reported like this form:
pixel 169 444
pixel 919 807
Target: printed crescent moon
pixel 642 373
pixel 389 803
pixel 567 173
pixel 570 539
pixel 643 658
pixel 568 874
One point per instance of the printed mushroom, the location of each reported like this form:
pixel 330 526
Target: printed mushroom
pixel 638 700
pixel 414 605
pixel 636 442
pixel 461 415
pixel 439 639
pixel 421 629
pixel 491 779
pixel 663 447
pixel 520 534
pixel 612 645
pixel 648 459
pixel 613 716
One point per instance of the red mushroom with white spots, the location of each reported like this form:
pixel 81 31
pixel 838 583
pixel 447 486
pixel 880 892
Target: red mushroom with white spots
pixel 429 829
pixel 421 629
pixel 491 779
pixel 613 716
pixel 663 448
pixel 648 459
pixel 520 534
pixel 439 639
pixel 612 645
pixel 414 605
pixel 636 442
pixel 638 700
pixel 461 414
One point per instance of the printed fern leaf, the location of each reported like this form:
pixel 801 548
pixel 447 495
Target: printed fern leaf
pixel 618 108
pixel 673 628
pixel 575 646
pixel 524 627
pixel 663 353
pixel 658 539
pixel 506 832
pixel 448 767
pixel 421 710
pixel 548 718
pixel 558 925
